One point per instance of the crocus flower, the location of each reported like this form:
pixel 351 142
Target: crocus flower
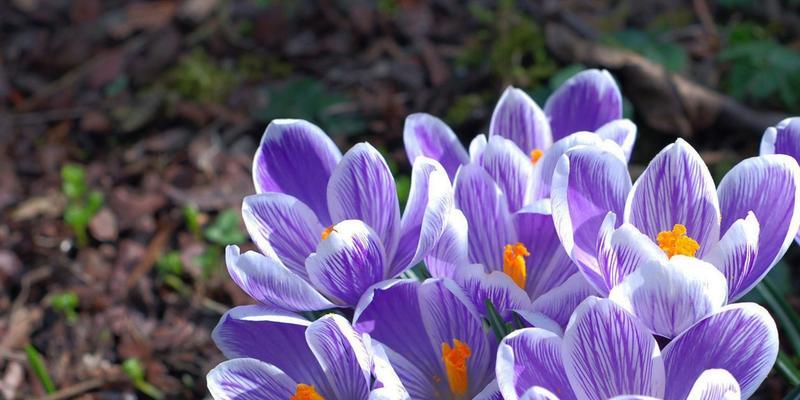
pixel 673 248
pixel 783 139
pixel 606 352
pixel 511 254
pixel 276 355
pixel 434 338
pixel 329 226
pixel 589 101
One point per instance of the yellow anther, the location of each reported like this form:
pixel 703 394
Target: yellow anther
pixel 306 392
pixel 327 232
pixel 455 364
pixel 536 154
pixel 514 263
pixel 675 242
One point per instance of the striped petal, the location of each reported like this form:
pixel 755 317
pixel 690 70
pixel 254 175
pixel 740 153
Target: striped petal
pixel 428 136
pixel 584 102
pixel 519 118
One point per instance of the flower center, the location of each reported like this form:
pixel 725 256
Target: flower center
pixel 675 242
pixel 455 364
pixel 514 263
pixel 306 392
pixel 327 232
pixel 536 154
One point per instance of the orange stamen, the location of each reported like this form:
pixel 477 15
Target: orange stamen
pixel 675 242
pixel 514 263
pixel 455 364
pixel 306 392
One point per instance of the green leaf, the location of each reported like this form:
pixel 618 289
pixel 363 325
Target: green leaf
pixel 169 264
pixel 36 362
pixel 225 229
pixel 783 312
pixel 787 368
pixel 66 303
pixel 496 322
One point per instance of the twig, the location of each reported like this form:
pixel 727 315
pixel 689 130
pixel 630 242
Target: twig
pixel 74 390
pixel 154 250
pixel 667 102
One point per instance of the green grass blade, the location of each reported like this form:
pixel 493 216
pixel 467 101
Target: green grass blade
pixel 39 369
pixel 787 368
pixel 783 312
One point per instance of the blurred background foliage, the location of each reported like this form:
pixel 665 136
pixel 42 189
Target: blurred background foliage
pixel 130 127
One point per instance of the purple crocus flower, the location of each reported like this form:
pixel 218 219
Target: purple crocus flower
pixel 673 248
pixel 783 139
pixel 607 353
pixel 434 338
pixel 502 193
pixel 329 226
pixel 589 101
pixel 276 355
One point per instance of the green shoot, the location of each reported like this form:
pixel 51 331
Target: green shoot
pixel 192 218
pixel 133 368
pixel 225 229
pixel 36 361
pixel 66 303
pixel 82 204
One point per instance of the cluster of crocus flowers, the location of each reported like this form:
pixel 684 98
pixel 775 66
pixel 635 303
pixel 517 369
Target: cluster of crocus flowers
pixel 611 289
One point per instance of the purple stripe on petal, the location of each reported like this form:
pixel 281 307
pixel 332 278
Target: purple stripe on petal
pixel 268 281
pixel 486 210
pixel 448 315
pixel 496 286
pixel 783 139
pixel 342 355
pixel 676 188
pixel 621 251
pixel 519 118
pixel 297 158
pixel 275 337
pixel 544 168
pixel 348 262
pixel 548 264
pixel 670 296
pixel 584 102
pixel 538 393
pixel 607 353
pixel 621 132
pixel 715 384
pixel 387 384
pixel 426 135
pixel 769 186
pixel 281 224
pixel 450 251
pixel 390 313
pixel 430 203
pixel 510 168
pixel 559 303
pixel 735 255
pixel 741 338
pixel 249 379
pixel 588 183
pixel 532 357
pixel 362 187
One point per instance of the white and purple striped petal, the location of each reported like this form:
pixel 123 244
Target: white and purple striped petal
pixel 676 188
pixel 267 280
pixel 584 102
pixel 451 250
pixel 486 210
pixel 426 135
pixel 297 158
pixel 430 203
pixel 670 296
pixel 245 331
pixel 281 225
pixel 528 358
pixel 548 264
pixel 621 251
pixel 621 132
pixel 348 262
pixel 589 181
pixel 546 165
pixel 249 379
pixel 496 286
pixel 342 355
pixel 608 352
pixel 510 168
pixel 741 338
pixel 735 255
pixel 517 117
pixel 715 384
pixel 769 186
pixel 363 188
pixel 559 303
